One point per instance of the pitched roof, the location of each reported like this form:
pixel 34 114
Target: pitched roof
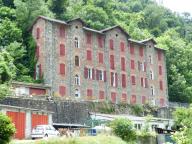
pixel 160 48
pixel 135 41
pixel 77 19
pixel 147 40
pixel 92 30
pixel 113 27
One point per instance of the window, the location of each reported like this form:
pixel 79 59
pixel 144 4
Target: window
pixel 112 62
pixel 151 75
pixel 90 73
pixel 76 42
pixel 142 82
pixel 132 51
pixel 122 46
pixel 111 44
pixel 100 41
pixel 37 33
pixel 62 90
pixel 152 90
pixel 124 97
pixel 38 71
pixel 150 59
pixel 37 52
pixel 62 69
pixel 146 83
pixel 123 80
pixel 141 51
pixel 62 49
pixel 161 85
pixel 77 80
pixel 133 99
pixel 123 64
pixel 101 95
pixel 162 102
pixel 89 36
pixel 132 64
pixel 101 75
pixel 138 126
pixel 62 31
pixel 133 81
pixel 143 100
pixel 141 66
pixel 113 79
pixel 159 53
pixel 77 93
pixel 113 97
pixel 89 55
pixel 160 70
pixel 101 58
pixel 89 92
pixel 76 60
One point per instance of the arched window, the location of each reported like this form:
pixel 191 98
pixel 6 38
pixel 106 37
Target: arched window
pixel 76 60
pixel 151 75
pixel 77 93
pixel 152 90
pixel 76 42
pixel 77 80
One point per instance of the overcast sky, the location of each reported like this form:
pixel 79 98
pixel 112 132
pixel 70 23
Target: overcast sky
pixel 179 5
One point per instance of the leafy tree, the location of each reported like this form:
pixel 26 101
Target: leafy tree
pixel 123 128
pixel 7 129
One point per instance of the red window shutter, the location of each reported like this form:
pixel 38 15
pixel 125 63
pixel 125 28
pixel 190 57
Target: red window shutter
pixel 123 80
pixel 145 66
pixel 132 50
pixel 37 52
pixel 85 72
pixel 101 95
pixel 132 64
pixel 89 55
pixel 40 71
pixel 122 46
pixel 133 99
pixel 93 74
pixel 105 76
pixel 142 82
pixel 101 58
pixel 143 99
pixel 161 85
pixel 112 79
pixel 100 41
pixel 159 55
pixel 62 90
pixel 116 79
pixel 62 69
pixel 162 102
pixel 133 80
pixel 112 64
pixel 141 51
pixel 38 33
pixel 124 97
pixel 62 31
pixel 62 49
pixel 160 70
pixel 89 36
pixel 113 97
pixel 146 83
pixel 123 64
pixel 89 92
pixel 139 65
pixel 111 44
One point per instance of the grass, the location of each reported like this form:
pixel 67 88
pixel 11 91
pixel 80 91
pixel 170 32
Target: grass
pixel 100 139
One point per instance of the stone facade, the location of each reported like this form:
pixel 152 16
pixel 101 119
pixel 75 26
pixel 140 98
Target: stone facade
pixel 86 64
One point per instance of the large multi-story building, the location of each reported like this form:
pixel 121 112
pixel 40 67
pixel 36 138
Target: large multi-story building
pixel 86 64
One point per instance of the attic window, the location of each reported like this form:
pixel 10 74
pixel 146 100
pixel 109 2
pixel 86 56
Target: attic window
pixel 116 35
pixel 76 27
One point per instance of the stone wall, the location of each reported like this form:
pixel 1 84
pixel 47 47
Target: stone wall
pixel 63 111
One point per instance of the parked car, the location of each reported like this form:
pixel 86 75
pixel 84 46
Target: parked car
pixel 44 131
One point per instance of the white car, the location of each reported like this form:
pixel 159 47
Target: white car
pixel 44 131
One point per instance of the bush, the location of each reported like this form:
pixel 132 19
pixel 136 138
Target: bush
pixel 123 128
pixel 7 129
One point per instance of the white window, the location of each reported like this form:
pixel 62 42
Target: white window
pixel 101 75
pixel 151 75
pixel 37 72
pixel 150 59
pixel 77 93
pixel 76 42
pixel 90 71
pixel 77 80
pixel 138 126
pixel 113 79
pixel 152 90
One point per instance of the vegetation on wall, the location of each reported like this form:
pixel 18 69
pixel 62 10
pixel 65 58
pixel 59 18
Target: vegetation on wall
pixel 140 18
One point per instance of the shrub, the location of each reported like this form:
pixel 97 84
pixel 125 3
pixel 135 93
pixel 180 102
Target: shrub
pixel 7 129
pixel 123 128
